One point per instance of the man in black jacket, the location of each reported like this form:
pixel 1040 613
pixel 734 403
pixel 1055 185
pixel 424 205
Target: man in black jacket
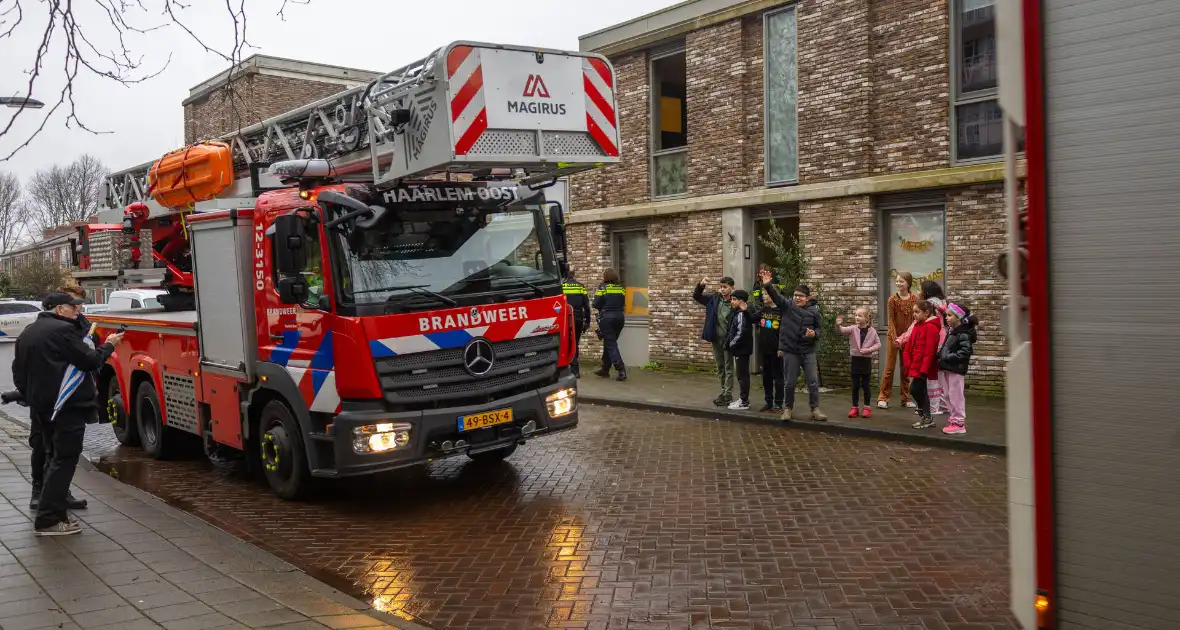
pixel 800 327
pixel 579 301
pixel 41 451
pixel 45 351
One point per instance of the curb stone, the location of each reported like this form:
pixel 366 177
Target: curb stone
pixel 881 433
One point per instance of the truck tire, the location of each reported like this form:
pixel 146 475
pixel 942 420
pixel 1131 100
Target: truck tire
pixel 158 441
pixel 126 431
pixel 489 457
pixel 284 459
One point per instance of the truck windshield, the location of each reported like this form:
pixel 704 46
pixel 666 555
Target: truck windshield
pixel 437 257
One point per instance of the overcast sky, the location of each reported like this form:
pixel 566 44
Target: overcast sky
pixel 146 120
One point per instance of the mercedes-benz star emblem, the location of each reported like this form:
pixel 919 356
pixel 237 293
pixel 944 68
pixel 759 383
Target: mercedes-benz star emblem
pixel 478 357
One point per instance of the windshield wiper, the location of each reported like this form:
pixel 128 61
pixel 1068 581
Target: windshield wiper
pixel 420 289
pixel 539 291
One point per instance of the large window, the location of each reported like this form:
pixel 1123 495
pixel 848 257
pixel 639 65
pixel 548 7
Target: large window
pixel 916 242
pixel 631 260
pixel 669 151
pixel 781 97
pixel 978 121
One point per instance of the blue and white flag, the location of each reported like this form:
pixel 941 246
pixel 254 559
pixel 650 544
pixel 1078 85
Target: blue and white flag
pixel 72 379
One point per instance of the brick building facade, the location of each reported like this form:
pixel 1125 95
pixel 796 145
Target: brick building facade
pixel 884 155
pixel 259 88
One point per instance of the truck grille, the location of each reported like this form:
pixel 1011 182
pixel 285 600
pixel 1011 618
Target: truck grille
pixel 423 379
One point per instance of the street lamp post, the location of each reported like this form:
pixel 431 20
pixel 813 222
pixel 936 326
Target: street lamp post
pixel 20 102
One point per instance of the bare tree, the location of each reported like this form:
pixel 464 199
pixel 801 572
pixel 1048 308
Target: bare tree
pixel 67 48
pixel 37 275
pixel 64 194
pixel 12 215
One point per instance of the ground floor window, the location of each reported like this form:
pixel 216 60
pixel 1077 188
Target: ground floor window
pixel 630 254
pixel 915 242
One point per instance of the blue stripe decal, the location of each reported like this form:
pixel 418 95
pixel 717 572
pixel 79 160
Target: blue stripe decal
pixel 449 339
pixel 380 350
pixel 323 359
pixel 282 352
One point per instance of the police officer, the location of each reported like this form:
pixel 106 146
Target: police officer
pixel 768 319
pixel 579 301
pixel 609 301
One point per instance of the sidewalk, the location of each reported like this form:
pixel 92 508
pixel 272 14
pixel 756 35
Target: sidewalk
pixel 139 563
pixel 693 394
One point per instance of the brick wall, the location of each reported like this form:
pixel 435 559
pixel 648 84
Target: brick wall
pixel 911 85
pixel 628 181
pixel 255 98
pixel 589 254
pixel 976 230
pixel 753 126
pixel 682 250
pixel 835 90
pixel 716 73
pixel 840 237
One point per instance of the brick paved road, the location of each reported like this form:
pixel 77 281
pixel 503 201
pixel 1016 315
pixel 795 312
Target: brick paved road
pixel 642 520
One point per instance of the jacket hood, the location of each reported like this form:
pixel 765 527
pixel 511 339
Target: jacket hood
pixel 968 329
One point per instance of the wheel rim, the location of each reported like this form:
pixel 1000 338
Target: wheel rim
pixel 277 456
pixel 150 421
pixel 114 402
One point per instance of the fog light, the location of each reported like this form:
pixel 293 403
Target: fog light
pixel 561 402
pixel 379 438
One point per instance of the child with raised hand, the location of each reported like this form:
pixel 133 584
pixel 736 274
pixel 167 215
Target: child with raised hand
pixel 863 341
pixel 954 358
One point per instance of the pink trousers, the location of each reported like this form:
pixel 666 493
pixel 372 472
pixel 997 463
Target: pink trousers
pixel 952 394
pixel 936 389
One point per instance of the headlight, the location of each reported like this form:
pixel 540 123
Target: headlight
pixel 378 438
pixel 561 402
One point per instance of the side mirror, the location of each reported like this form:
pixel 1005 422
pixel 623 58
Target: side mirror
pixel 292 290
pixel 290 240
pixel 557 226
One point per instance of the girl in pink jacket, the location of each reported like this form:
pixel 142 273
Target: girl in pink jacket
pixel 863 342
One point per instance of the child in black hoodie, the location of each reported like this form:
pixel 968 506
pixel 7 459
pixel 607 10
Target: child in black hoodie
pixel 740 344
pixel 954 357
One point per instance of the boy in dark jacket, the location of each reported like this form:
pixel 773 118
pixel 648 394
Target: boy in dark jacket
pixel 953 359
pixel 799 334
pixel 739 342
pixel 767 317
pixel 717 314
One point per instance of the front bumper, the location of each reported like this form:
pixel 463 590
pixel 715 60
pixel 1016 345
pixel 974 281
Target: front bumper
pixel 433 429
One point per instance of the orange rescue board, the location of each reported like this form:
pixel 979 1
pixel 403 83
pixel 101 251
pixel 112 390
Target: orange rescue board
pixel 194 173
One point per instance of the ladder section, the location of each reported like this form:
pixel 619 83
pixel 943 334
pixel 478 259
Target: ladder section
pixel 465 108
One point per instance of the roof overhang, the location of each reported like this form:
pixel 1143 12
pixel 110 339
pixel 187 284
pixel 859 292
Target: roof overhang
pixel 669 23
pixel 278 66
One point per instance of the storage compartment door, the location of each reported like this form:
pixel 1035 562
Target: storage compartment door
pixel 225 309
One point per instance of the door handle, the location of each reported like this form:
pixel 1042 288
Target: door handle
pixel 276 337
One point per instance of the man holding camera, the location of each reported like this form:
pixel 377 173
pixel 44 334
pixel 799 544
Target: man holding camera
pixel 45 351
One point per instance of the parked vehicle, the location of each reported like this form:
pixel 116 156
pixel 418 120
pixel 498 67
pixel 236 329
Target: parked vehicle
pixel 15 315
pixel 132 299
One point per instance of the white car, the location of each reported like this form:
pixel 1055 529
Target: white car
pixel 132 299
pixel 15 315
pixel 90 309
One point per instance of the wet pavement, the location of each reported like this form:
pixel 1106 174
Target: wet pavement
pixel 640 520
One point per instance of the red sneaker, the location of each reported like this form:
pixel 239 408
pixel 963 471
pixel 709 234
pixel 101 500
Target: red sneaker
pixel 855 413
pixel 867 412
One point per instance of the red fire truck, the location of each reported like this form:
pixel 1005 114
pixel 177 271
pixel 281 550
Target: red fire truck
pixel 374 279
pixel 1093 441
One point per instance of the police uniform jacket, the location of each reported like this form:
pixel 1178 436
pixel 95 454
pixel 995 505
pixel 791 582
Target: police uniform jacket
pixel 610 299
pixel 579 301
